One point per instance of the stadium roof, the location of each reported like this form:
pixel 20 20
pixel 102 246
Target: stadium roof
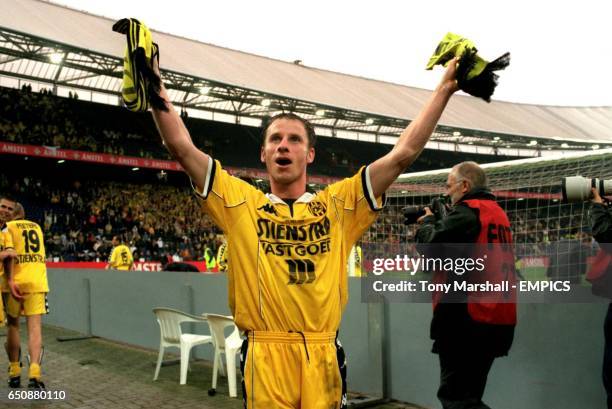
pixel 45 42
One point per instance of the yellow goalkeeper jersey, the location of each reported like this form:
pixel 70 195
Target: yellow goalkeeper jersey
pixel 287 267
pixel 121 258
pixel 29 269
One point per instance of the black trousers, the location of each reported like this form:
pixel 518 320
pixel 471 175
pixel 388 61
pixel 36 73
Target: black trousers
pixel 463 377
pixel 607 361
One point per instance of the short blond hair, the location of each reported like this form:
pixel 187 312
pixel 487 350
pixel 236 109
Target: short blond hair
pixel 18 212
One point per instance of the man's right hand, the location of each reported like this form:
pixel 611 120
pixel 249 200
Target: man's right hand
pixel 449 79
pixel 428 213
pixel 596 197
pixel 15 290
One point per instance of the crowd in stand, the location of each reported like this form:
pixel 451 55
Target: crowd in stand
pixel 41 118
pixel 80 219
pixel 161 221
pixel 37 119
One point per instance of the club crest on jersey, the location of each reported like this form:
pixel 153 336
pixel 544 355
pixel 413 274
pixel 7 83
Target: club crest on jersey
pixel 317 208
pixel 268 208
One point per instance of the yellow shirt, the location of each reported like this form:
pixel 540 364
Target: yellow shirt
pixel 121 258
pixel 287 272
pixel 29 269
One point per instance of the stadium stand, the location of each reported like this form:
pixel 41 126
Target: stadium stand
pixel 80 214
pixel 69 123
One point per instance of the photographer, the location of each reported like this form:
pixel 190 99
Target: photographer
pixel 601 227
pixel 468 335
pixel 601 221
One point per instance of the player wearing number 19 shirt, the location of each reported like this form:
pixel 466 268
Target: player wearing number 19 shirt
pixel 25 291
pixel 288 249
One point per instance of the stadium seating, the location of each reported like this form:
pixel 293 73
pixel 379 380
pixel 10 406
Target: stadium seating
pixel 82 207
pixel 44 119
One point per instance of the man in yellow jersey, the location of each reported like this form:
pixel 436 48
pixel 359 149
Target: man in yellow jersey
pixel 25 290
pixel 7 206
pixel 121 257
pixel 288 250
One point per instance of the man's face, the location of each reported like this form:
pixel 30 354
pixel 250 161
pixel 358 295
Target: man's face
pixel 6 210
pixel 115 241
pixel 286 152
pixel 456 188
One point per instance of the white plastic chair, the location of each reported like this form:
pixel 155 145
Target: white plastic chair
pixel 169 321
pixel 229 346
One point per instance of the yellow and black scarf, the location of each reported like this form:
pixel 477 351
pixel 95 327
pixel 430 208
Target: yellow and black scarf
pixel 474 74
pixel 141 85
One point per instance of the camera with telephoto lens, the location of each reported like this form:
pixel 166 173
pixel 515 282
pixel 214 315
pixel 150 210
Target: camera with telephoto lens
pixel 438 208
pixel 578 189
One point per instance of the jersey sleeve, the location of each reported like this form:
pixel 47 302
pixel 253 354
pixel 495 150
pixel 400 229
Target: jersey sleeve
pixel 6 238
pixel 355 199
pixel 222 191
pixel 113 258
pixel 13 236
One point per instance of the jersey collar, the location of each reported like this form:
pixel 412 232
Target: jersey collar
pixel 305 198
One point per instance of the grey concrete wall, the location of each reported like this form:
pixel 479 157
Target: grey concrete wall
pixel 555 361
pixel 122 302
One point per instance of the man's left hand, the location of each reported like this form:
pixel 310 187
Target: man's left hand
pixel 449 79
pixel 596 197
pixel 428 213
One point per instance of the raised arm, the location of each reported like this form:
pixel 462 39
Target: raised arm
pixel 179 143
pixel 411 142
